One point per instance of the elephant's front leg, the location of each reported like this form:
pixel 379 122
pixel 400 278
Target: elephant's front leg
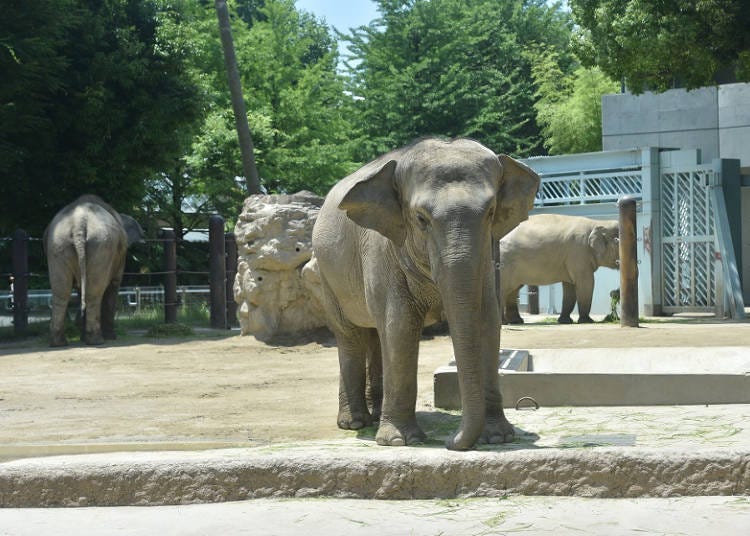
pixel 584 296
pixel 497 428
pixel 568 303
pixel 399 341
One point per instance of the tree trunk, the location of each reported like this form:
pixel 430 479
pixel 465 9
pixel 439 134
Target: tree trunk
pixel 238 103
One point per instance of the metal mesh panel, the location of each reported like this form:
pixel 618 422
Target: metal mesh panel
pixel 688 258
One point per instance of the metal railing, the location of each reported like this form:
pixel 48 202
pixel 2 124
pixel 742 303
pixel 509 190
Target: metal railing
pixel 595 186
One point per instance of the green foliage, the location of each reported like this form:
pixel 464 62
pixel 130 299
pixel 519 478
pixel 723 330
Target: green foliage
pixel 569 106
pixel 295 103
pixel 452 68
pixel 91 96
pixel 657 45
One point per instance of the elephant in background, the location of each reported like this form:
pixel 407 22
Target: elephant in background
pixel 397 243
pixel 85 244
pixel 549 248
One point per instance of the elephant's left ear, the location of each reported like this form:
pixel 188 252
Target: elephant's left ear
pixel 515 198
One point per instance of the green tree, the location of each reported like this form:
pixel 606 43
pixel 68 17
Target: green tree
pixel 295 101
pixel 569 106
pixel 660 44
pixel 453 68
pixel 90 100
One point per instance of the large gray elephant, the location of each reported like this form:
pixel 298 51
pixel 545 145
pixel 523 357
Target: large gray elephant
pixel 399 241
pixel 550 248
pixel 85 244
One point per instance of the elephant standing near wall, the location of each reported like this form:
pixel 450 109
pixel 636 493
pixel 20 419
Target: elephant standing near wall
pixel 85 244
pixel 397 243
pixel 551 248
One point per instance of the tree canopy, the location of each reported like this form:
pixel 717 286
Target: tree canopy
pixel 451 68
pixel 662 44
pixel 90 99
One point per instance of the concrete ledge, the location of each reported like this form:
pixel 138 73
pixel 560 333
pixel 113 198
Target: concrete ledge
pixel 613 377
pixel 366 471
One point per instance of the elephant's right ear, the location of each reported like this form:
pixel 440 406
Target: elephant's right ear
pixel 373 202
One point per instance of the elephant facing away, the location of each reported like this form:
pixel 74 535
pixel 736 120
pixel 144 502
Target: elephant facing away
pixel 550 248
pixel 85 244
pixel 398 242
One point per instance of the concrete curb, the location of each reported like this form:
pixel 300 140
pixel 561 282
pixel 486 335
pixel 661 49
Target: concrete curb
pixel 368 472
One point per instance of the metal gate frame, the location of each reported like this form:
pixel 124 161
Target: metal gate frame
pixel 691 270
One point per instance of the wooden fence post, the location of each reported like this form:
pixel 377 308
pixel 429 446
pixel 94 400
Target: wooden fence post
pixel 20 282
pixel 533 299
pixel 230 245
pixel 217 272
pixel 628 263
pixel 170 276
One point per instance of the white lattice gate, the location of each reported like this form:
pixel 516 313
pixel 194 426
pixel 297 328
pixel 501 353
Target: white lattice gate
pixel 689 263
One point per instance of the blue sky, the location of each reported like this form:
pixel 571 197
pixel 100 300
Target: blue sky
pixel 341 14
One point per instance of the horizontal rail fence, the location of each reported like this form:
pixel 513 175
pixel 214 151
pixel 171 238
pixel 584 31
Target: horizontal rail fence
pixel 590 186
pixel 150 280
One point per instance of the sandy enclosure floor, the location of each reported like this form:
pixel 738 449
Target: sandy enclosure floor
pixel 226 390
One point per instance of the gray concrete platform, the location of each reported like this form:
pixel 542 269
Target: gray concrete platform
pixel 614 377
pixel 656 451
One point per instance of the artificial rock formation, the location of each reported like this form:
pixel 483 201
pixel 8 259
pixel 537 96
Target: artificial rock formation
pixel 274 235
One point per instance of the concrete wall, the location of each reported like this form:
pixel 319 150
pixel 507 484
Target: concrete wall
pixel 715 120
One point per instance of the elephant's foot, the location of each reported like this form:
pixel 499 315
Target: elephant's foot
pixel 497 430
pixel 564 320
pixel 94 338
pixel 585 319
pixel 514 320
pixel 390 434
pixel 109 335
pixel 353 420
pixel 58 340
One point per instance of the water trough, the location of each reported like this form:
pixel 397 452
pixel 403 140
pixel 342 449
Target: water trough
pixel 613 377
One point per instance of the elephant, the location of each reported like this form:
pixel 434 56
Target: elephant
pixel 551 248
pixel 400 241
pixel 85 244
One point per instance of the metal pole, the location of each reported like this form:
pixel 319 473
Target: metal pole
pixel 230 245
pixel 170 276
pixel 628 263
pixel 217 272
pixel 20 282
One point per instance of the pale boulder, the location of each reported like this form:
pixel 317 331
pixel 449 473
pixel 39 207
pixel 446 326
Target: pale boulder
pixel 274 242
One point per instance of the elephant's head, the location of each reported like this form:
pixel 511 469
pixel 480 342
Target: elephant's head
pixel 442 203
pixel 132 229
pixel 604 243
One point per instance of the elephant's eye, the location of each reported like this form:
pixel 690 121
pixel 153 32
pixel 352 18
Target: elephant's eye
pixel 422 221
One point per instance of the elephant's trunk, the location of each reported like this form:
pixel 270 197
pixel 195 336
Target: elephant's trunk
pixel 461 288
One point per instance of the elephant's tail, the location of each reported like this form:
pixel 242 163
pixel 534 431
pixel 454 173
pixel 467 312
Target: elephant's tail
pixel 79 242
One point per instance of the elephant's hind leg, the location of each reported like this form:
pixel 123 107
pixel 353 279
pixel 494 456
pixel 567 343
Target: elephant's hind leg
pixel 109 308
pixel 61 289
pixel 512 316
pixel 354 345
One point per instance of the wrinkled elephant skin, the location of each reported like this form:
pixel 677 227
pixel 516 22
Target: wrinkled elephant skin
pixel 550 248
pixel 85 244
pixel 399 242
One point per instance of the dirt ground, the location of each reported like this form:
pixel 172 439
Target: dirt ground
pixel 219 389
